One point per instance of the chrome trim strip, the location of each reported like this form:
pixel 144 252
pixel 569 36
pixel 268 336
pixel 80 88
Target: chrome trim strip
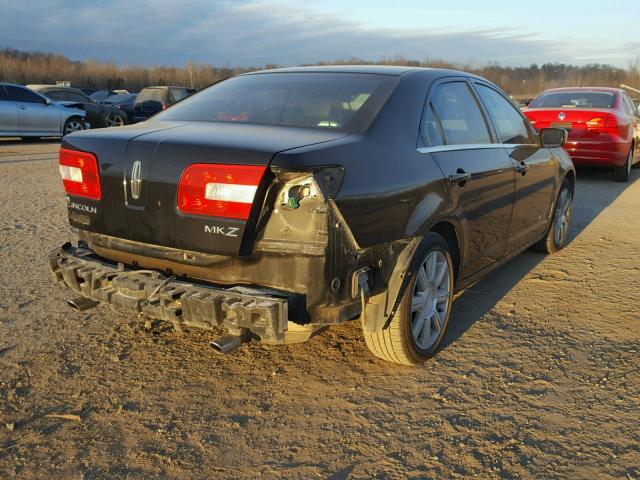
pixel 473 146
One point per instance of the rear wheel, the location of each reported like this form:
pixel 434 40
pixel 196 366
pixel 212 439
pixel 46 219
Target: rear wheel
pixel 73 124
pixel 621 174
pixel 420 322
pixel 556 236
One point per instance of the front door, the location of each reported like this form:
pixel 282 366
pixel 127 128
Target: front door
pixel 535 168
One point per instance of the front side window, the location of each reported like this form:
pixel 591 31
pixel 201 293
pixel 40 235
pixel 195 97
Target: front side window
pixel 3 93
pixel 459 114
pixel 20 94
pixel 509 123
pixel 338 101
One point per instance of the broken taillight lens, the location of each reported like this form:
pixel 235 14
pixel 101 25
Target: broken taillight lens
pixel 79 172
pixel 219 190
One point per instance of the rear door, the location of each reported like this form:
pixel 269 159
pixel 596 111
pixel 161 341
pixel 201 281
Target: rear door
pixel 535 168
pixel 8 113
pixel 479 172
pixel 35 115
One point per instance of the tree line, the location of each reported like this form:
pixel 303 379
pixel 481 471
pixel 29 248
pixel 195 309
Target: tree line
pixel 46 68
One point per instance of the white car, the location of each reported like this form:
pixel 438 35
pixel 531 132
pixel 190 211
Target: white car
pixel 25 113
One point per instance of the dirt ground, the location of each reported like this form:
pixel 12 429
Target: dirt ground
pixel 539 376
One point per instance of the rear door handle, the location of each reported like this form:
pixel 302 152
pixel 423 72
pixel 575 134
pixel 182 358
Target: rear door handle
pixel 522 168
pixel 460 177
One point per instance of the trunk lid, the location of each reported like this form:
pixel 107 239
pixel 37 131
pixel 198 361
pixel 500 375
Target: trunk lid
pixel 580 123
pixel 156 154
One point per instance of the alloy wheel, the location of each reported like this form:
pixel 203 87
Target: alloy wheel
pixel 114 120
pixel 562 216
pixel 72 126
pixel 430 301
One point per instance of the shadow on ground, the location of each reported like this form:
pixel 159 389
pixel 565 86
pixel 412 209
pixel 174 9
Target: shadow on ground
pixel 479 299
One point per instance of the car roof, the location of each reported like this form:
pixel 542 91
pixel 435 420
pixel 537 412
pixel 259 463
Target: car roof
pixel 394 70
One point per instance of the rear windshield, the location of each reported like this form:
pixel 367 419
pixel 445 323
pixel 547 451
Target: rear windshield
pixel 337 101
pixel 155 94
pixel 575 99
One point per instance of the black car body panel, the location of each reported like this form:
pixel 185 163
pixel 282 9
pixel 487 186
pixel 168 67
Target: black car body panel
pixel 379 191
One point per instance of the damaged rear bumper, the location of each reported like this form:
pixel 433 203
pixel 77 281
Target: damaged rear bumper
pixel 264 312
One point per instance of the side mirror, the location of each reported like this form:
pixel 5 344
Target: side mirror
pixel 553 137
pixel 48 101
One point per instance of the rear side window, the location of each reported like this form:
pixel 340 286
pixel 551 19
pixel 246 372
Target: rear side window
pixel 3 93
pixel 430 129
pixel 509 123
pixel 629 106
pixel 179 93
pixel 19 94
pixel 459 114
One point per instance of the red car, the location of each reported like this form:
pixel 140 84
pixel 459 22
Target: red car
pixel 603 125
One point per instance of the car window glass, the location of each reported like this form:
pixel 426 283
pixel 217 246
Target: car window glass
pixel 459 114
pixel 430 130
pixel 311 100
pixel 628 106
pixel 57 95
pixel 76 97
pixel 20 94
pixel 3 93
pixel 179 93
pixel 574 99
pixel 509 123
pixel 155 94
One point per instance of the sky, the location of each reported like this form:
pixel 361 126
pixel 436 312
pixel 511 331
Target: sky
pixel 287 32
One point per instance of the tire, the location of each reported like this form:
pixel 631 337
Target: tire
pixel 556 237
pixel 73 124
pixel 114 120
pixel 397 343
pixel 621 174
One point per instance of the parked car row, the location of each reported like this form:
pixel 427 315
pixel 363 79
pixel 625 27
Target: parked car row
pixel 52 110
pixel 25 113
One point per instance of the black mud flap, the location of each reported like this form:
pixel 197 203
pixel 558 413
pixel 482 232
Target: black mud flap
pixel 148 292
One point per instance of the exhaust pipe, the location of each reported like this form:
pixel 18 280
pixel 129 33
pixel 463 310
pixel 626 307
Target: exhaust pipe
pixel 81 303
pixel 228 343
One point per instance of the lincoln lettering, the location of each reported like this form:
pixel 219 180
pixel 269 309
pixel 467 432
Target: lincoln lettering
pixel 82 208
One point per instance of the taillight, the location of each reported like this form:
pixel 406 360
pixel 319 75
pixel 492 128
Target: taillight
pixel 612 121
pixel 597 122
pixel 219 190
pixel 79 172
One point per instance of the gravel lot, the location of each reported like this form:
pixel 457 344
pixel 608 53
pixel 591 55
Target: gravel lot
pixel 539 376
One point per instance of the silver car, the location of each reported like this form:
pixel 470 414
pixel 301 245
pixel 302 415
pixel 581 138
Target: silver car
pixel 25 113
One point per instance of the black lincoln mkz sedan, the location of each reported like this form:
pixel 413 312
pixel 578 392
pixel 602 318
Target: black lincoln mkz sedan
pixel 277 203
